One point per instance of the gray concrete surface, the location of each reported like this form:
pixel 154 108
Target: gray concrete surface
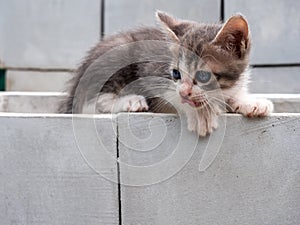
pixel 283 80
pixel 123 14
pixel 44 176
pixel 253 180
pixel 36 81
pixel 30 102
pixel 49 170
pixel 47 34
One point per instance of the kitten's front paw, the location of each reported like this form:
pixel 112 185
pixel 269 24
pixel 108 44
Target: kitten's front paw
pixel 202 125
pixel 254 107
pixel 131 103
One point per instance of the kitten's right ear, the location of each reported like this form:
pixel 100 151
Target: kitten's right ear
pixel 234 36
pixel 170 24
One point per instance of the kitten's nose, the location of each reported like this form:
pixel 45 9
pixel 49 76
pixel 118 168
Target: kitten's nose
pixel 185 90
pixel 185 93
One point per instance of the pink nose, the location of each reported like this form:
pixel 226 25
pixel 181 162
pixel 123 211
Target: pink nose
pixel 185 93
pixel 185 89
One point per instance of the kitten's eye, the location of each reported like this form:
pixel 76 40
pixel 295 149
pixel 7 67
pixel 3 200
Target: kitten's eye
pixel 176 74
pixel 203 76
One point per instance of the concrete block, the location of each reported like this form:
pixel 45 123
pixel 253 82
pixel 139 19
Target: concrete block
pixel 254 178
pixel 30 102
pixel 123 14
pixel 36 81
pixel 284 80
pixel 274 26
pixel 45 174
pixel 46 102
pixel 47 33
pixel 283 103
pixel 146 140
pixel 62 169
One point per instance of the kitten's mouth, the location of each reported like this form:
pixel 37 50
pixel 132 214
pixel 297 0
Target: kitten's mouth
pixel 194 103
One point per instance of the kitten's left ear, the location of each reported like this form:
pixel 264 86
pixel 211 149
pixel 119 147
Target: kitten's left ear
pixel 175 28
pixel 234 36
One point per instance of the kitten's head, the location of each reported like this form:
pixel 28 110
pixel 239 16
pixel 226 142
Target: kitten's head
pixel 206 57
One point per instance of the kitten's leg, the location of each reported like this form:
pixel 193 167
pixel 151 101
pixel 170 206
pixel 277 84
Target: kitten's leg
pixel 192 120
pixel 201 121
pixel 250 106
pixel 129 103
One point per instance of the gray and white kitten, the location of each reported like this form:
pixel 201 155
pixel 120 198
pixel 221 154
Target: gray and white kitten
pixel 200 69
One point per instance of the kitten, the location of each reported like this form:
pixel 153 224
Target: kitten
pixel 197 68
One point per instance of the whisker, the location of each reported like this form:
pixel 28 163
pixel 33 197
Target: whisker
pixel 221 102
pixel 240 119
pixel 162 100
pixel 212 108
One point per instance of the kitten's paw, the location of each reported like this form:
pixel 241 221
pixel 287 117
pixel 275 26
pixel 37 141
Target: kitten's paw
pixel 206 127
pixel 131 103
pixel 254 107
pixel 202 130
pixel 202 125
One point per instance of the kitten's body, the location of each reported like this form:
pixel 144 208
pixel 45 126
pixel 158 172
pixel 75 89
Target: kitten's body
pixel 221 50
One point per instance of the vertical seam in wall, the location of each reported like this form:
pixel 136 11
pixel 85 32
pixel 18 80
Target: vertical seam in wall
pixel 2 80
pixel 119 174
pixel 102 19
pixel 222 11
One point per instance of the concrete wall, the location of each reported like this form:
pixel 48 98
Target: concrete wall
pixel 44 178
pixel 253 180
pixel 273 25
pixel 63 170
pixel 122 14
pixel 47 34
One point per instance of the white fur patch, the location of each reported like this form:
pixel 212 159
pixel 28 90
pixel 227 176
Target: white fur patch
pixel 102 104
pixel 130 103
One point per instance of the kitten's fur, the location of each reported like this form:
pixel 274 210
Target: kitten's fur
pixel 222 50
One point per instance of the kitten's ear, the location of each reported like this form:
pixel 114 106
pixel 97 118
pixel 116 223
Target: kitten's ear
pixel 170 24
pixel 234 36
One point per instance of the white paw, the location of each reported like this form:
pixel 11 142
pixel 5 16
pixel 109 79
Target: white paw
pixel 202 123
pixel 131 103
pixel 202 129
pixel 254 107
pixel 192 123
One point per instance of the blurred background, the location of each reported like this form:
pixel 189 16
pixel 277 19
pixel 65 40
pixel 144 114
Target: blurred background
pixel 42 41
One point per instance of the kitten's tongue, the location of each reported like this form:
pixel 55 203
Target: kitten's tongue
pixel 191 103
